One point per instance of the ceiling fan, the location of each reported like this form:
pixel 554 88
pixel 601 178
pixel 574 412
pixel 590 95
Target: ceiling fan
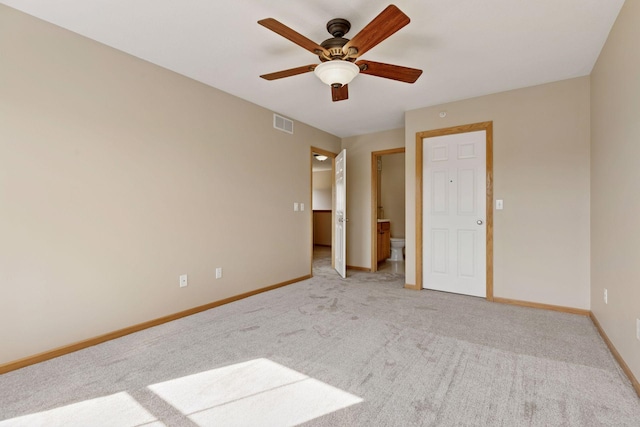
pixel 339 57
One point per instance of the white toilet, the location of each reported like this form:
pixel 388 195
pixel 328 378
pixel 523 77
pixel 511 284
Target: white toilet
pixel 397 245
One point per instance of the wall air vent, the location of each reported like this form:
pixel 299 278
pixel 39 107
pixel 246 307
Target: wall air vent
pixel 282 123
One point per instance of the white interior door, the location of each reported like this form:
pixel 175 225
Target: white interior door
pixel 454 211
pixel 340 225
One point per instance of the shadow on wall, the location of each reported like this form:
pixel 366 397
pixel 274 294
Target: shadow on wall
pixel 391 192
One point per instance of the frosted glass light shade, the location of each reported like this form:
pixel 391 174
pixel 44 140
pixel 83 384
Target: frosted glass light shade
pixel 336 72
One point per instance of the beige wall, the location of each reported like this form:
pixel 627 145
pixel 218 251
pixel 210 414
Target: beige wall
pixel 117 176
pixel 359 149
pixel 541 171
pixel 615 185
pixel 392 192
pixel 321 195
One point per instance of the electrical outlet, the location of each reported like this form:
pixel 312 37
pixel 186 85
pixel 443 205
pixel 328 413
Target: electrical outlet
pixel 183 281
pixel 218 272
pixel 638 329
pixel 606 298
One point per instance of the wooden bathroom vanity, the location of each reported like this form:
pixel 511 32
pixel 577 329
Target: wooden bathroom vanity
pixel 384 240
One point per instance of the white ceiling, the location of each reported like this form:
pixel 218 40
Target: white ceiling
pixel 466 48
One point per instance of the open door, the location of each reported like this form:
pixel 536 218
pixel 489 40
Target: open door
pixel 340 224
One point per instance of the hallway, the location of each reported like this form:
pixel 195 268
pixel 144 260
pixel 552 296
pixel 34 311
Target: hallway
pixel 393 271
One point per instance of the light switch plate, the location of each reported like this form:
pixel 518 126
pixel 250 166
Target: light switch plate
pixel 183 280
pixel 295 206
pixel 302 207
pixel 499 204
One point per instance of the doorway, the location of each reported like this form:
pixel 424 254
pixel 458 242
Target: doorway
pixel 387 203
pixel 322 202
pixel 448 189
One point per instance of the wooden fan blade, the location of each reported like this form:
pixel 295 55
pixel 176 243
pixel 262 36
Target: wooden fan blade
pixel 388 22
pixel 289 34
pixel 340 93
pixel 389 71
pixel 288 73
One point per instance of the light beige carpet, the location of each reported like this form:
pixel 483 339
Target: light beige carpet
pixel 331 352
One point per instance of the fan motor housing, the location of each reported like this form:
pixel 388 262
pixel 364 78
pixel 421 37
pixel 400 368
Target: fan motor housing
pixel 337 27
pixel 334 46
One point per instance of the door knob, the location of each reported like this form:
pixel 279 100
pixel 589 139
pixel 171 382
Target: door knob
pixel 479 222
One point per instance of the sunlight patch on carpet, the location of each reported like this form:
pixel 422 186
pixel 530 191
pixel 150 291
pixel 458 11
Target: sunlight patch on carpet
pixel 117 409
pixel 255 393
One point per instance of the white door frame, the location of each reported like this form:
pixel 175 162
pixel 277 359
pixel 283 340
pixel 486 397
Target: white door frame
pixel 420 136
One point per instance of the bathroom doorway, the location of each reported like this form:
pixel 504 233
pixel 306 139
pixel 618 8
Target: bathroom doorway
pixel 388 210
pixel 322 203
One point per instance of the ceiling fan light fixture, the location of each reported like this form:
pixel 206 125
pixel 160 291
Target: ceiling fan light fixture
pixel 336 73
